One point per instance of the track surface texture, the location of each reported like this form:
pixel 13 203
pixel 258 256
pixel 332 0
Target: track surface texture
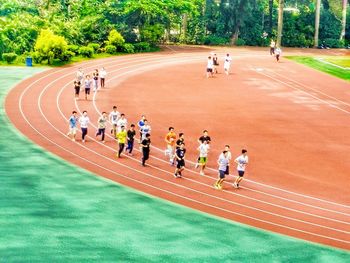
pixel 292 120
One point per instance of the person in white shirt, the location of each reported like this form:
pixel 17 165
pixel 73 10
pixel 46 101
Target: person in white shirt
pixel 272 47
pixel 145 129
pixel 203 156
pixel 229 157
pixel 278 53
pixel 222 163
pixel 84 122
pixel 103 74
pixel 113 118
pixel 122 121
pixel 80 75
pixel 242 162
pixel 227 64
pixel 210 67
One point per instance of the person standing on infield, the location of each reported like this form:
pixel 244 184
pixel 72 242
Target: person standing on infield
pixel 210 67
pixel 145 145
pixel 242 162
pixel 84 123
pixel 222 163
pixel 227 64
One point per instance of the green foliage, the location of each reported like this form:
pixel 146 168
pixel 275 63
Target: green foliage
pixel 87 52
pixel 115 39
pixel 9 57
pixel 152 33
pixel 67 56
pixel 50 46
pixel 334 43
pixel 142 46
pixel 37 57
pixel 128 48
pixel 73 48
pixel 215 40
pixel 240 42
pixel 110 49
pixel 94 46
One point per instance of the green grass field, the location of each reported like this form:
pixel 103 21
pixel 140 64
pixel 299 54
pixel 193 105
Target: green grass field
pixel 75 216
pixel 313 62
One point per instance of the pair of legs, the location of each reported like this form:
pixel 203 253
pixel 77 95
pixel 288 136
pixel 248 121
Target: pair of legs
pixel 102 82
pixel 238 179
pixel 145 156
pixel 220 181
pixel 84 132
pixel 121 148
pixel 95 84
pixel 202 161
pixel 278 57
pixel 77 92
pixel 227 70
pixel 130 147
pixel 170 151
pixel 72 133
pixel 272 51
pixel 179 168
pixel 114 130
pixel 101 132
pixel 87 92
pixel 209 72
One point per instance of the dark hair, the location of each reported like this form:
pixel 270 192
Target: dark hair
pixel 228 146
pixel 171 128
pixel 244 151
pixel 145 120
pixel 122 114
pixel 114 107
pixel 209 57
pixel 104 112
pixel 84 111
pixel 224 152
pixel 180 134
pixel 132 125
pixel 122 126
pixel 182 143
pixel 148 135
pixel 205 131
pixel 74 112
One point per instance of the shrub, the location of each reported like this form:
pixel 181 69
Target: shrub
pixel 142 46
pixel 37 57
pixel 94 46
pixel 87 52
pixel 240 42
pixel 73 48
pixel 128 48
pixel 152 33
pixel 215 40
pixel 331 42
pixel 110 49
pixel 9 57
pixel 115 39
pixel 67 55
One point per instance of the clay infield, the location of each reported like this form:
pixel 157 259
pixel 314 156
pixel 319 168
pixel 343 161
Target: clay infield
pixel 294 122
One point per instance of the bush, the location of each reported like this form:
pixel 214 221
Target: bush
pixel 110 49
pixel 9 57
pixel 115 39
pixel 240 42
pixel 128 48
pixel 331 42
pixel 215 40
pixel 37 57
pixel 73 48
pixel 94 46
pixel 87 52
pixel 67 55
pixel 142 46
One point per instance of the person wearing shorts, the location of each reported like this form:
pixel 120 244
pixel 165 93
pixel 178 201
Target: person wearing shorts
pixel 222 163
pixel 203 156
pixel 170 140
pixel 272 47
pixel 77 88
pixel 73 122
pixel 84 122
pixel 122 121
pixel 180 160
pixel 131 138
pixel 87 86
pixel 278 53
pixel 215 64
pixel 242 162
pixel 229 157
pixel 210 67
pixel 113 118
pixel 145 145
pixel 101 124
pixel 121 137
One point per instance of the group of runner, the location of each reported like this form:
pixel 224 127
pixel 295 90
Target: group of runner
pixel 213 64
pixel 94 81
pixel 275 50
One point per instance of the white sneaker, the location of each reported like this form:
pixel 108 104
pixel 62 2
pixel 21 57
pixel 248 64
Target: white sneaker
pixel 235 185
pixel 201 173
pixel 196 166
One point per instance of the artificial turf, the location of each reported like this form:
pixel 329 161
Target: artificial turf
pixel 52 211
pixel 327 68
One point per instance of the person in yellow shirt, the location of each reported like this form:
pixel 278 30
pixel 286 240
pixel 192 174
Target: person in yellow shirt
pixel 170 140
pixel 121 137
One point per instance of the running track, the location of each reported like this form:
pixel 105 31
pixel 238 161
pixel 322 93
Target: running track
pixel 293 121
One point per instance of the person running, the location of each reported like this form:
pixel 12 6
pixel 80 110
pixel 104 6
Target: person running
pixel 87 86
pixel 103 74
pixel 272 47
pixel 95 78
pixel 242 162
pixel 227 64
pixel 131 138
pixel 113 118
pixel 180 160
pixel 145 129
pixel 215 63
pixel 73 125
pixel 181 140
pixel 222 163
pixel 121 137
pixel 80 75
pixel 77 88
pixel 140 124
pixel 278 53
pixel 210 67
pixel 170 140
pixel 145 144
pixel 204 137
pixel 203 156
pixel 101 124
pixel 122 121
pixel 84 123
pixel 229 157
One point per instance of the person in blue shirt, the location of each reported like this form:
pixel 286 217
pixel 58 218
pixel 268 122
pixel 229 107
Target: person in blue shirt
pixel 73 121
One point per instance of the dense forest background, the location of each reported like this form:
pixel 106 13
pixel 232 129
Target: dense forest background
pixel 82 26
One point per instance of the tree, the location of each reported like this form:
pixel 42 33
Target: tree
pixel 343 21
pixel 317 22
pixel 280 22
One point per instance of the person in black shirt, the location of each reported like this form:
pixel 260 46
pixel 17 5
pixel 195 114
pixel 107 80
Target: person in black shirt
pixel 77 88
pixel 145 144
pixel 215 63
pixel 181 140
pixel 204 137
pixel 180 157
pixel 131 137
